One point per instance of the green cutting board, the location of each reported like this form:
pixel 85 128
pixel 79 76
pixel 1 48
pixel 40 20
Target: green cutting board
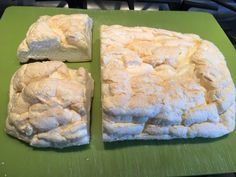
pixel 126 159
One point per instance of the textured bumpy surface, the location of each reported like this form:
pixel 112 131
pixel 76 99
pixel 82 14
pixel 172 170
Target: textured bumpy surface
pixel 159 84
pixel 59 37
pixel 49 105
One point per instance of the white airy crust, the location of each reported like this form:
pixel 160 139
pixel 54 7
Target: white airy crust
pixel 160 84
pixel 49 105
pixel 59 37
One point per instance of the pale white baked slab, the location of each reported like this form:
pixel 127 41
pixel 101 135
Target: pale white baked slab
pixel 49 105
pixel 160 84
pixel 59 37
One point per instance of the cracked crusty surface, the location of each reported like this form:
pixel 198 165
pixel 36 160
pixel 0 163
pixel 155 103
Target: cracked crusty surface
pixel 49 105
pixel 160 84
pixel 59 37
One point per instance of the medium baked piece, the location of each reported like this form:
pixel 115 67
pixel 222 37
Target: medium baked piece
pixel 160 84
pixel 49 105
pixel 59 37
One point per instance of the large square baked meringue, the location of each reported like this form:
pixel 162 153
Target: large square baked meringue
pixel 58 37
pixel 160 84
pixel 49 105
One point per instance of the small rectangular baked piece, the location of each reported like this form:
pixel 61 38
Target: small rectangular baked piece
pixel 59 37
pixel 160 84
pixel 49 105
